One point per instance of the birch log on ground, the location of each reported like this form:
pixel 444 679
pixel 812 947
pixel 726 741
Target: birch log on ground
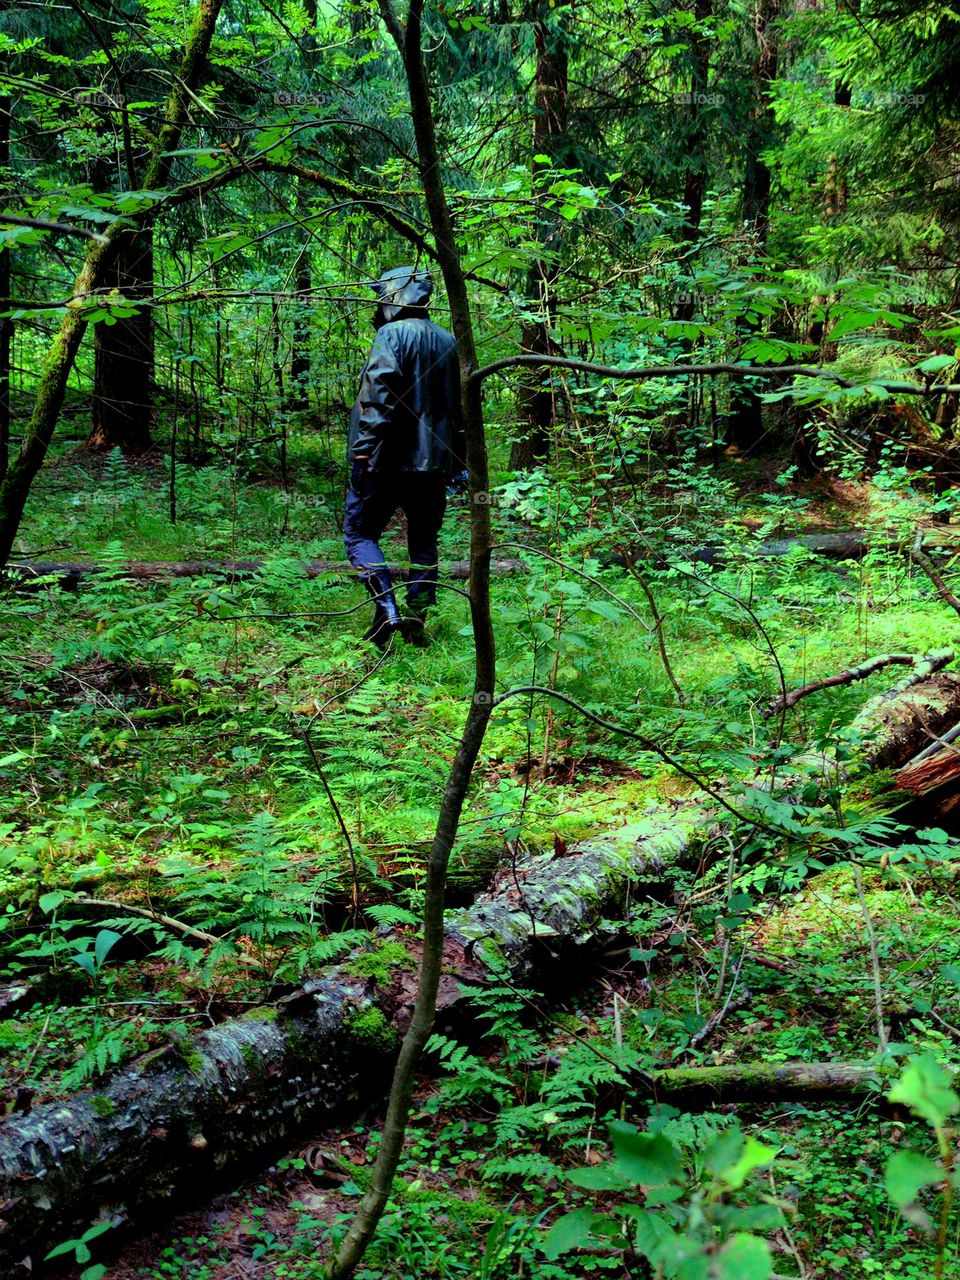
pixel 174 1122
pixel 900 722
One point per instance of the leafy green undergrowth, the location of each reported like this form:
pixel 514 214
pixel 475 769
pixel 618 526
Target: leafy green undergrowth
pixel 533 1151
pixel 169 747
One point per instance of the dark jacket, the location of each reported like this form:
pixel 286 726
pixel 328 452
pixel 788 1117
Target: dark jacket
pixel 407 415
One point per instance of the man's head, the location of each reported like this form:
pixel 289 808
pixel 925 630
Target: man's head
pixel 402 291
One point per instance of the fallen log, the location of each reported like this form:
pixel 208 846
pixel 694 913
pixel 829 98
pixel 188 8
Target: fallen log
pixel 849 545
pixel 176 1120
pixel 760 1082
pixel 936 777
pixel 896 724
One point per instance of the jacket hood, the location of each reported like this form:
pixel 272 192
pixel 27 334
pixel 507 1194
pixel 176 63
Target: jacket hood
pixel 401 288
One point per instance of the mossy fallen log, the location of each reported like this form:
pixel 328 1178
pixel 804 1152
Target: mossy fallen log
pixel 171 1123
pixel 761 1082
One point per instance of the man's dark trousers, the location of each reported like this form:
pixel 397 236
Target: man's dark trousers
pixel 372 501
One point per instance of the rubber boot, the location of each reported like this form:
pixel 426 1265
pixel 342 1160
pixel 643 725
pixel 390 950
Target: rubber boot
pixel 386 617
pixel 415 624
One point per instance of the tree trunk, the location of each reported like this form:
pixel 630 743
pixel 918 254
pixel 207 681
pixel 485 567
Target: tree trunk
pixel 745 424
pixel 758 1082
pixel 15 488
pixel 409 43
pixel 899 723
pixel 298 384
pixel 851 545
pixel 6 325
pixel 695 184
pixel 536 401
pixel 122 416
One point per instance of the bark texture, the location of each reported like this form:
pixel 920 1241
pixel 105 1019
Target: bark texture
pixel 757 1082
pixel 122 413
pixel 896 725
pixel 171 1123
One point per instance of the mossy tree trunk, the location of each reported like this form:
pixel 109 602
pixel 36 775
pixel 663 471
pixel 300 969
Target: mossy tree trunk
pixel 62 353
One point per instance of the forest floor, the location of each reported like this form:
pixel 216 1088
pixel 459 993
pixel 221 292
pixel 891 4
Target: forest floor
pixel 154 752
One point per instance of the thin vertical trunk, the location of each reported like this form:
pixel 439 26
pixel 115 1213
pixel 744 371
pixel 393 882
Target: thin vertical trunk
pixel 695 184
pixel 745 427
pixel 537 401
pixel 375 1198
pixel 299 381
pixel 62 352
pixel 298 384
pixel 123 409
pixel 6 326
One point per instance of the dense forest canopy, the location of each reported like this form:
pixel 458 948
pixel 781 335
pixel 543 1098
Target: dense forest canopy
pixel 595 911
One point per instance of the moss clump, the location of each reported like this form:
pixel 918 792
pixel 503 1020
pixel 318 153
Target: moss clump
pixel 102 1106
pixel 263 1013
pixel 376 964
pixel 371 1027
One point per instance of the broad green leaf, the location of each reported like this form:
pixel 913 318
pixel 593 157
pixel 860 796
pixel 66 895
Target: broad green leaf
pixel 934 363
pixel 568 1233
pixel 907 1172
pixel 107 939
pixel 649 1158
pixel 50 901
pixel 925 1088
pixel 603 1177
pixel 742 1258
pixel 754 1156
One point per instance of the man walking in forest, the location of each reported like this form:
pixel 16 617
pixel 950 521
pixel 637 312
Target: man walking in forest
pixel 406 442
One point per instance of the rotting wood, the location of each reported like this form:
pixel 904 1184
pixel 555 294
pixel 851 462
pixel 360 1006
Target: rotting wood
pixel 849 545
pixel 173 1122
pixel 896 724
pixel 758 1082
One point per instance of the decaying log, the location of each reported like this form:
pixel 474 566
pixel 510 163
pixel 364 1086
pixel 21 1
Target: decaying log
pixel 895 725
pixel 69 574
pixel 936 776
pixel 928 664
pixel 171 1123
pixel 758 1082
pixel 851 545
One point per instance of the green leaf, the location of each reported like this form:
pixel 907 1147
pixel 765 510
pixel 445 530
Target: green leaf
pixel 754 1156
pixel 568 1232
pixel 925 1088
pixel 907 1172
pixel 934 363
pixel 50 901
pixel 743 1258
pixel 107 939
pixel 850 321
pixel 68 1246
pixel 603 1177
pixel 648 1158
